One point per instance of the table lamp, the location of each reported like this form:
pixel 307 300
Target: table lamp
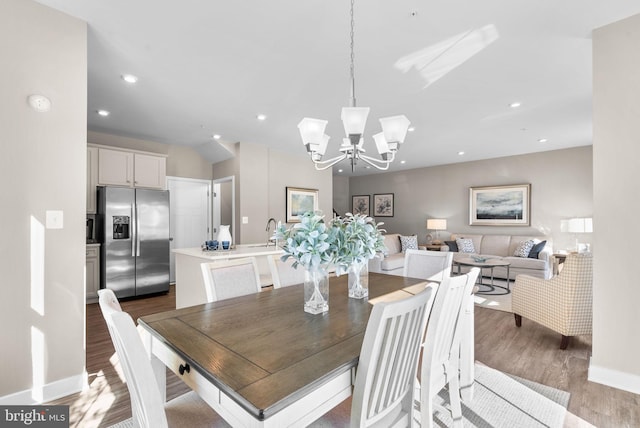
pixel 437 224
pixel 579 225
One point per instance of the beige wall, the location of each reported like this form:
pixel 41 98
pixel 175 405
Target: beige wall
pixel 42 167
pixel 616 109
pixel 262 176
pixel 561 187
pixel 182 161
pixel 341 197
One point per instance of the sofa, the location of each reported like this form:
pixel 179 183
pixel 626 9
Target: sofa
pixel 503 247
pixel 391 261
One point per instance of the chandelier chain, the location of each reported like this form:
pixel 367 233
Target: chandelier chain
pixel 352 69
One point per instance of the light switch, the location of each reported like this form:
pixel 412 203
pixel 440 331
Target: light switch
pixel 55 219
pixel 245 220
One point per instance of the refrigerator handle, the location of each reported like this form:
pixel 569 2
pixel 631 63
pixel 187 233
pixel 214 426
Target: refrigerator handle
pixel 137 232
pixel 134 225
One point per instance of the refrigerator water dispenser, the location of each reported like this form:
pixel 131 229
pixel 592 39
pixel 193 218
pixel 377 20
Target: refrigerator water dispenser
pixel 120 227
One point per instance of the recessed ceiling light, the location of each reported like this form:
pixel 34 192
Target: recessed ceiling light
pixel 403 162
pixel 129 78
pixel 339 170
pixel 460 153
pixel 515 104
pixel 411 129
pixel 542 140
pixel 367 167
pixel 216 136
pixel 261 117
pixel 103 113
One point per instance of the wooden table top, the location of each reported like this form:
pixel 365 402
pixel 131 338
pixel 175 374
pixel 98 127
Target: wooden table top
pixel 263 350
pixel 468 261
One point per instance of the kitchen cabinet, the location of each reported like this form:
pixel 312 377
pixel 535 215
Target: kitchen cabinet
pixel 131 169
pixel 92 280
pixel 92 178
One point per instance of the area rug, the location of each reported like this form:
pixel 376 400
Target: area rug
pixel 500 302
pixel 505 401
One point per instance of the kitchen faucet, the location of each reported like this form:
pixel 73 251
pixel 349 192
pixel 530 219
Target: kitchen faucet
pixel 268 229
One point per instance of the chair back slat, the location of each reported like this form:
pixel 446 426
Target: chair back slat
pixel 283 273
pixel 432 265
pixel 386 375
pixel 146 404
pixel 230 278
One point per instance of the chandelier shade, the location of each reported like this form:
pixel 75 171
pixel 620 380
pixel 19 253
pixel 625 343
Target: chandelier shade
pixel 354 120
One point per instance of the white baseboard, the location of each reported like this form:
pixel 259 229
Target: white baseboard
pixel 51 391
pixel 614 378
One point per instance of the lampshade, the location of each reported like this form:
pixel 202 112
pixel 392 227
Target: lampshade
pixel 437 224
pixel 354 120
pixel 312 131
pixel 580 225
pixel 395 128
pixel 381 143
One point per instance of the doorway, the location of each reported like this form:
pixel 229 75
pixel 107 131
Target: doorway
pixel 190 215
pixel 224 205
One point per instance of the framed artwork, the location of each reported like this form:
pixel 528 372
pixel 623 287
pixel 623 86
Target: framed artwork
pixel 300 201
pixel 383 205
pixel 500 205
pixel 360 204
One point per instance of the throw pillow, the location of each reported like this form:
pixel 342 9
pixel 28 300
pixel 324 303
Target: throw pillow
pixel 524 248
pixel 465 245
pixel 452 245
pixel 535 250
pixel 409 242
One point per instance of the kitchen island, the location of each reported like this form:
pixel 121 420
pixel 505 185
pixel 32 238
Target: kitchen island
pixel 190 289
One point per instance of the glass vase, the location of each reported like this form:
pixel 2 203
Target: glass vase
pixel 359 280
pixel 316 290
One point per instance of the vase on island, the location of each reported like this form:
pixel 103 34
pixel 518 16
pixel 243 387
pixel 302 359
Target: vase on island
pixel 224 237
pixel 358 280
pixel 316 290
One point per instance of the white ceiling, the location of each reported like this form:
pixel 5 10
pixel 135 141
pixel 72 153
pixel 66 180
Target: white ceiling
pixel 209 67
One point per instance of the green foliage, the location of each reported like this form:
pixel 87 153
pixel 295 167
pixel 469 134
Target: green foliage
pixel 312 243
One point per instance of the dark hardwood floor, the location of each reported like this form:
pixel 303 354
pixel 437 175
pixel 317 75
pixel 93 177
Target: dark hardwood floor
pixel 531 352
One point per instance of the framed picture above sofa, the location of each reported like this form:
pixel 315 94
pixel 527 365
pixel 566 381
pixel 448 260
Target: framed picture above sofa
pixel 383 205
pixel 500 205
pixel 360 204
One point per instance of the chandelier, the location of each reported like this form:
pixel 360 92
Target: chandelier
pixel 394 131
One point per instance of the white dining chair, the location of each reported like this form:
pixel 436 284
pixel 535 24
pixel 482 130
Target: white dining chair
pixel 225 279
pixel 441 350
pixel 284 274
pixel 386 374
pixel 431 265
pixel 147 407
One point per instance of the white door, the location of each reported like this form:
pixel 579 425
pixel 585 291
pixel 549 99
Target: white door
pixel 190 215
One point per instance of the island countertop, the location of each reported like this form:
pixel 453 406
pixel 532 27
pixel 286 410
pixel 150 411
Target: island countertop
pixel 190 289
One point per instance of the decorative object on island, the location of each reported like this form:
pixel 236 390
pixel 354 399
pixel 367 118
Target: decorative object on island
pixel 313 245
pixel 500 205
pixel 383 205
pixel 299 201
pixel 436 224
pixel 360 239
pixel 224 236
pixel 394 131
pixel 360 204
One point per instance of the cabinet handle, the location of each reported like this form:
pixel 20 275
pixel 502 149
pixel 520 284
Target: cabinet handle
pixel 185 368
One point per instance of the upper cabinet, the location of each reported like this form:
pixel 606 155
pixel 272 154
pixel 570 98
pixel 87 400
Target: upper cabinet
pixel 131 169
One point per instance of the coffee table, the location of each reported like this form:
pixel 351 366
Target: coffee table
pixel 487 264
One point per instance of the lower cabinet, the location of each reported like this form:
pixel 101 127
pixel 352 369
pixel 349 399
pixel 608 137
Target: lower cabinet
pixel 93 272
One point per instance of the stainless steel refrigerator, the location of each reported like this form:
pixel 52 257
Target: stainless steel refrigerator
pixel 134 231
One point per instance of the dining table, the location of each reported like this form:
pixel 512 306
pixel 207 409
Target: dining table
pixel 260 361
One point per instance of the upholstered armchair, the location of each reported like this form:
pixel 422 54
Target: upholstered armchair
pixel 562 303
